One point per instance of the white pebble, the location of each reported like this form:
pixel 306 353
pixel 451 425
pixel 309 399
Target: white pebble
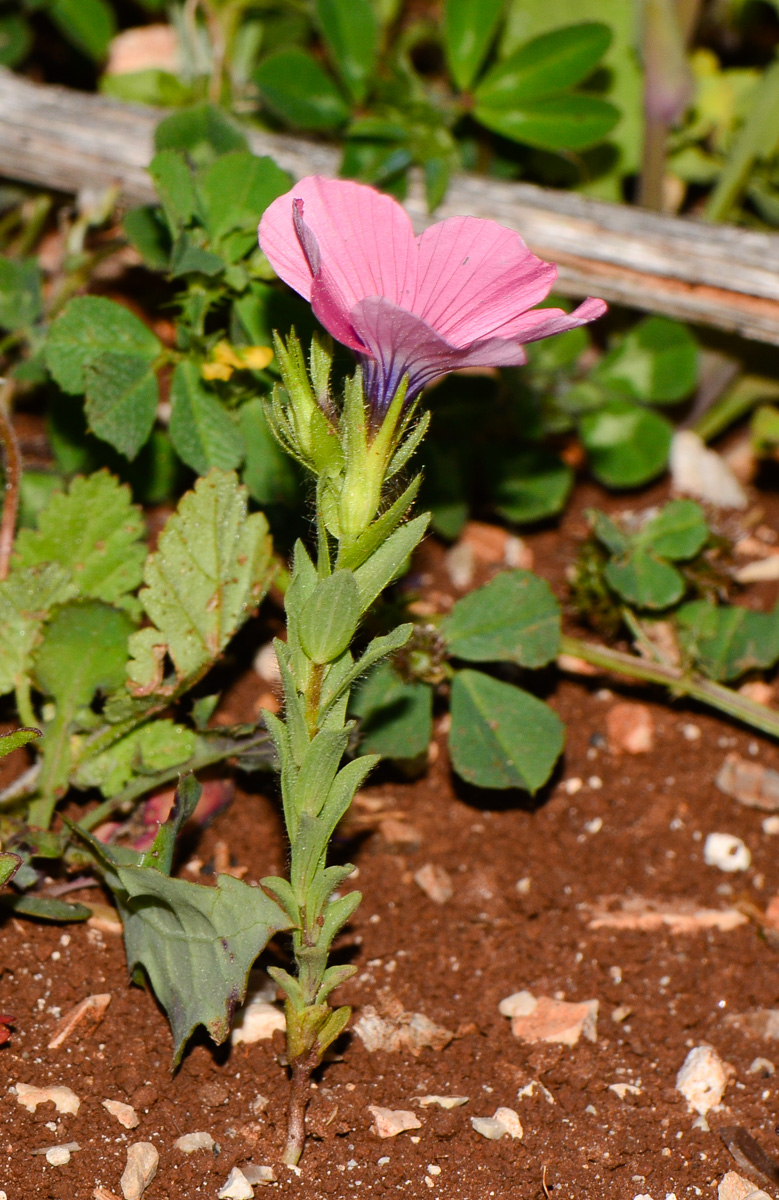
pixel 771 825
pixel 58 1156
pixel 188 1143
pixel 237 1187
pixel 702 1079
pixel 143 1158
pixel 727 852
pixel 691 733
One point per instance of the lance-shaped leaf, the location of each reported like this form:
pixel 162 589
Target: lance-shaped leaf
pixel 211 568
pixel 96 533
pixel 18 737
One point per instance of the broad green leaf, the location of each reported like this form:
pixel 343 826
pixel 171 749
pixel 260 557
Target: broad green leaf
pixel 153 747
pixel 657 361
pixel 269 473
pixel 26 599
pixel 530 485
pixel 328 619
pixel 187 257
pixel 149 86
pixel 211 568
pixel 351 33
pixel 678 531
pixel 513 618
pixel 121 400
pixel 545 66
pixel 196 944
pixel 620 68
pixel 644 580
pixel 89 326
pixel 469 28
pixel 15 40
pixel 296 88
pixel 627 445
pixel 87 24
pixel 501 736
pixel 175 187
pixel 20 293
pixel 202 132
pixel 566 122
pixel 12 741
pixel 202 433
pixel 83 651
pixel 145 228
pixel 726 641
pixel 396 716
pixel 9 865
pixel 237 188
pixel 96 533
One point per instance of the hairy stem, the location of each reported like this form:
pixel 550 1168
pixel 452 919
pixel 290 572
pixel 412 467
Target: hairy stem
pixel 13 479
pixel 679 682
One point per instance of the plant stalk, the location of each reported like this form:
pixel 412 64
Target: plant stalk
pixel 679 682
pixel 13 479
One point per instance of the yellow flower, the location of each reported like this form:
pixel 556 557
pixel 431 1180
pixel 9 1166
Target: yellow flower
pixel 226 358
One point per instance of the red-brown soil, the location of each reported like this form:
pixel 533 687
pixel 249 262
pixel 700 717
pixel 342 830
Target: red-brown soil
pixel 454 963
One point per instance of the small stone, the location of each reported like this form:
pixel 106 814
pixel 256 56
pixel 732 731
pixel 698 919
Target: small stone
pixel 237 1187
pixel 734 1187
pixel 403 1031
pixel 698 471
pixel 771 826
pixel 727 852
pixel 89 1012
pixel 399 833
pixel 624 1089
pixel 530 1089
pixel 435 882
pixel 63 1099
pixel 256 1022
pixel 762 1022
pixel 630 728
pixel 765 570
pixel 58 1156
pixel 441 1101
pixel 690 732
pixel 261 1175
pixel 143 1160
pixel 504 1123
pixel 124 1113
pixel 143 48
pixel 759 691
pixel 389 1122
pixel 188 1143
pixel 761 1066
pixel 702 1079
pixel 575 666
pixel 749 783
pixel 542 1019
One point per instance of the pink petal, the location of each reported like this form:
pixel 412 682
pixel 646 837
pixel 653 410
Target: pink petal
pixel 545 322
pixel 475 279
pixel 365 240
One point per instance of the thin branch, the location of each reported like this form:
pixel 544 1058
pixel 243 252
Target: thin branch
pixel 679 682
pixel 13 478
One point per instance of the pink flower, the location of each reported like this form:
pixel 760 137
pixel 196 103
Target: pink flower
pixel 459 295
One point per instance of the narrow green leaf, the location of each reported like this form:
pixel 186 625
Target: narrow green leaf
pixel 96 533
pixel 9 865
pixel 388 560
pixel 544 66
pixel 202 433
pixel 329 618
pixel 469 28
pixel 211 568
pixel 501 736
pixel 21 303
pixel 87 24
pixel 296 88
pixel 89 326
pixel 121 400
pixel 45 908
pixel 237 188
pixel 567 122
pixel 513 618
pixel 351 33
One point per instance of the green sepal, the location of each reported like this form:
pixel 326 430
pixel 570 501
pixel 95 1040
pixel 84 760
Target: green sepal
pixel 407 448
pixel 381 529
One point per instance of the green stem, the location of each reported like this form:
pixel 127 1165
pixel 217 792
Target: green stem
pixel 679 682
pixel 746 394
pixel 13 479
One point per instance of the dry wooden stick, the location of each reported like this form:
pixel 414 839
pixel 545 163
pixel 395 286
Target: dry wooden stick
pixel 711 274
